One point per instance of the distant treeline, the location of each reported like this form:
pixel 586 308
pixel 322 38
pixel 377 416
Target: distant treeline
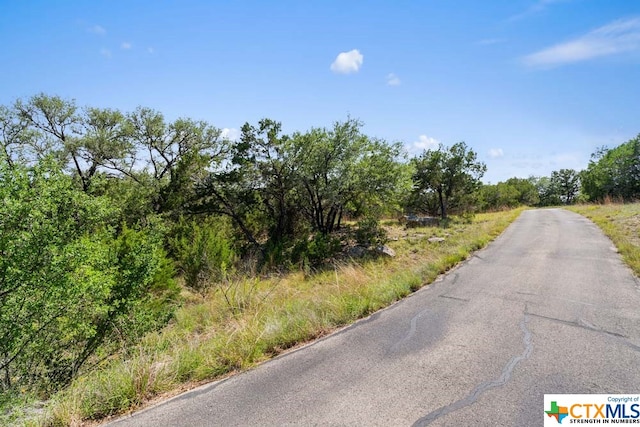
pixel 613 174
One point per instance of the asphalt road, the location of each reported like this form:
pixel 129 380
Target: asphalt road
pixel 548 307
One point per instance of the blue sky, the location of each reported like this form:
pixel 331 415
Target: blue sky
pixel 531 85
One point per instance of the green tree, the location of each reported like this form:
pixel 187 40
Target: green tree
pixel 203 251
pixel 498 196
pixel 55 122
pixel 271 169
pixel 16 139
pixel 342 171
pixel 289 186
pixel 511 193
pixel 451 175
pixel 566 183
pixel 614 173
pixel 167 158
pixel 547 190
pixel 527 193
pixel 103 143
pixel 177 156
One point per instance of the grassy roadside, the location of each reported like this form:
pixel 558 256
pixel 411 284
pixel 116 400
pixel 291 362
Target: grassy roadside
pixel 245 322
pixel 621 223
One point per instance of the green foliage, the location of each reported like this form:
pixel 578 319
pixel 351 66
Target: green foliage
pixel 527 193
pixel 268 166
pixel 547 191
pixel 369 232
pixel 133 199
pixel 501 195
pixel 614 173
pixel 92 198
pixel 321 248
pixel 277 189
pixel 263 317
pixel 314 251
pixel 164 158
pixel 203 251
pixel 566 183
pixel 509 194
pixel 447 177
pixel 343 172
pixel 69 285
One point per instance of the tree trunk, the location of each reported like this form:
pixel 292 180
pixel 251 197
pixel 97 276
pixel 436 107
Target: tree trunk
pixel 443 205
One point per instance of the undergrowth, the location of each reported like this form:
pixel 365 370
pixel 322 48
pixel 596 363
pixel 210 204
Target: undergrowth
pixel 243 322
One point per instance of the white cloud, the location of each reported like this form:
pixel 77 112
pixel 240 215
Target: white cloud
pixel 230 133
pixel 496 152
pixel 105 52
pixel 393 80
pixel 347 62
pixel 126 45
pixel 614 38
pixel 151 50
pixel 97 29
pixel 425 142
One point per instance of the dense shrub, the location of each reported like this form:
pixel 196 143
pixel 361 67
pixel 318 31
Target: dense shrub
pixel 203 251
pixel 72 283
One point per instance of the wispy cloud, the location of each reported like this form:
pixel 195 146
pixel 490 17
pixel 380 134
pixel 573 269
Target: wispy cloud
pixel 347 62
pixel 614 38
pixel 106 53
pixel 126 45
pixel 494 153
pixel 393 80
pixel 97 29
pixel 535 8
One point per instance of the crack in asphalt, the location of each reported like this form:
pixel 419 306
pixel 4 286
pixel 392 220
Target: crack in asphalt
pixel 589 327
pixel 581 324
pixel 412 330
pixel 455 298
pixel 475 394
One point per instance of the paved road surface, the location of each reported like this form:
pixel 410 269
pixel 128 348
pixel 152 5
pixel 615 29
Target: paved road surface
pixel 548 307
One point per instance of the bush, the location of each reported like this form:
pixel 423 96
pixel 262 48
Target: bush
pixel 71 284
pixel 312 252
pixel 203 251
pixel 369 232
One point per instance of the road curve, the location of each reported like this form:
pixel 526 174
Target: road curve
pixel 548 307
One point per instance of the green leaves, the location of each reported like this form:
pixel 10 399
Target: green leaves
pixel 344 172
pixel 66 277
pixel 449 175
pixel 614 173
pixel 566 182
pixel 203 251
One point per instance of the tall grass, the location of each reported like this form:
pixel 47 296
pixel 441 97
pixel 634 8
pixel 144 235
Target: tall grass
pixel 247 321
